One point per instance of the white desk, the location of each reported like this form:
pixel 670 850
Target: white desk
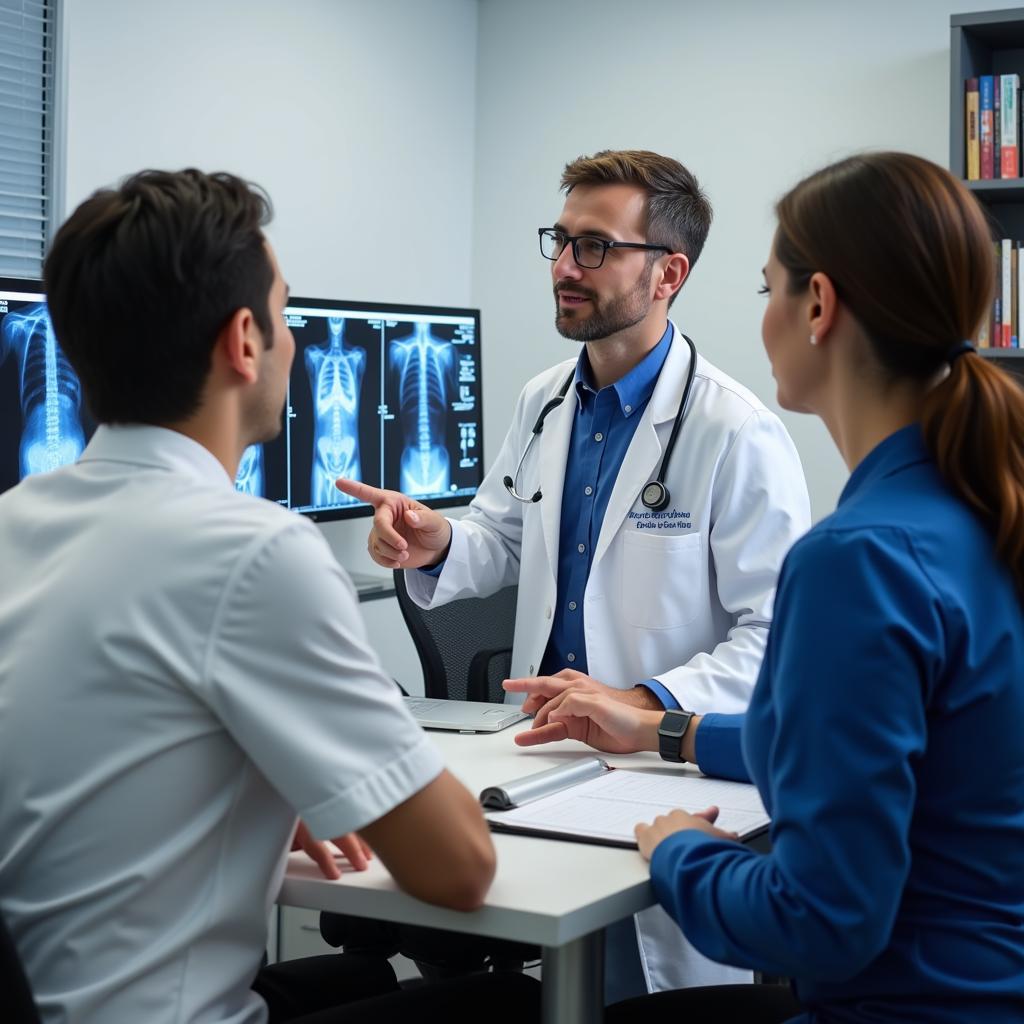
pixel 556 894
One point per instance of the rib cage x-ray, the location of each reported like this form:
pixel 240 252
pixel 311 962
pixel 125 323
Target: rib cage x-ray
pixel 249 478
pixel 335 378
pixel 52 434
pixel 425 367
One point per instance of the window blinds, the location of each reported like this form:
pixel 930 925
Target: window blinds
pixel 26 133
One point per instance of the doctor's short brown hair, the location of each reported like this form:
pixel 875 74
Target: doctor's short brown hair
pixel 678 213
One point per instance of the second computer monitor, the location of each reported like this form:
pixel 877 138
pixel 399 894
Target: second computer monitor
pixel 386 394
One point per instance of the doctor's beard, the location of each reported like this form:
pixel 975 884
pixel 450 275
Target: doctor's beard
pixel 621 313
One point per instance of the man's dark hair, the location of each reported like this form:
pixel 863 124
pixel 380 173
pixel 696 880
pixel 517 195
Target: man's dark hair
pixel 678 210
pixel 141 279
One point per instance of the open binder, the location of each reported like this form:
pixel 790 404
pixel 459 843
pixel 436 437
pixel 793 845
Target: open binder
pixel 588 801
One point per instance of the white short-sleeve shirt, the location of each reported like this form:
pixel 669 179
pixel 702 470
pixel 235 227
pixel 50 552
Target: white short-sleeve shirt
pixel 182 669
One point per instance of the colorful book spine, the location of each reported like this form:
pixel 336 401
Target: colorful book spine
pixel 997 125
pixel 1014 297
pixel 985 131
pixel 971 107
pixel 1006 320
pixel 1020 289
pixel 997 302
pixel 1009 147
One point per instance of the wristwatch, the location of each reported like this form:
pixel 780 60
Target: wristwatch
pixel 670 735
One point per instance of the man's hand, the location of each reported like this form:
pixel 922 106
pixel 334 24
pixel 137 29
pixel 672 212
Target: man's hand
pixel 405 533
pixel 555 688
pixel 319 851
pixel 665 825
pixel 590 716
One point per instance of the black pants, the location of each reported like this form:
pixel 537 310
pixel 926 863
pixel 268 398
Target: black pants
pixel 711 1004
pixel 350 989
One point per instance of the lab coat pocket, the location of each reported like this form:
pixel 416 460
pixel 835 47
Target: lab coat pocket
pixel 663 579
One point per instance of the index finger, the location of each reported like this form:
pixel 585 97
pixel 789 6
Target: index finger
pixel 546 686
pixel 361 492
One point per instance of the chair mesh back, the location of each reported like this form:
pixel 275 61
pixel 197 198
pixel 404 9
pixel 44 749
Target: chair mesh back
pixel 448 638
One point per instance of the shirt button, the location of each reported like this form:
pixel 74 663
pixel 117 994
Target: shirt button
pixel 599 436
pixel 531 670
pixel 581 548
pixel 588 490
pixel 628 409
pixel 547 613
pixel 570 656
pixel 572 606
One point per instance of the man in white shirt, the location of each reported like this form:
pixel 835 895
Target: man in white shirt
pixel 183 668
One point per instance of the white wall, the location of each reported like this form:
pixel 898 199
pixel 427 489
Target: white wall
pixel 749 95
pixel 358 118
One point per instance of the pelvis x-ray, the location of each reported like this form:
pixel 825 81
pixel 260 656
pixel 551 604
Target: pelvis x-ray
pixel 335 378
pixel 424 367
pixel 52 433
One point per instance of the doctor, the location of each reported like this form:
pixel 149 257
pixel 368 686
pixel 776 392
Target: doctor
pixel 642 500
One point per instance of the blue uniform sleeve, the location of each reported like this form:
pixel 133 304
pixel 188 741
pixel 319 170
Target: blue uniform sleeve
pixel 667 700
pixel 435 571
pixel 853 652
pixel 718 747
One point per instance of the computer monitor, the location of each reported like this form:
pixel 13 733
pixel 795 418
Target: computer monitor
pixel 43 421
pixel 388 394
pixel 385 393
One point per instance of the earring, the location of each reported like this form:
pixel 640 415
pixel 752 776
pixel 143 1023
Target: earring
pixel 814 340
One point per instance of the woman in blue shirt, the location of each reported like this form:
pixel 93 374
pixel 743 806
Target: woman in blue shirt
pixel 884 734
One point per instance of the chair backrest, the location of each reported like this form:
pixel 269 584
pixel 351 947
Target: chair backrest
pixel 465 647
pixel 15 994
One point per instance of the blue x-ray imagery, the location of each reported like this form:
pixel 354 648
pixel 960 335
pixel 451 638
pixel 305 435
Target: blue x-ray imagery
pixel 335 374
pixel 249 478
pixel 52 431
pixel 424 367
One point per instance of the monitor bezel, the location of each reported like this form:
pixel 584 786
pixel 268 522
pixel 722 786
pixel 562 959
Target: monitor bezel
pixel 18 284
pixel 350 305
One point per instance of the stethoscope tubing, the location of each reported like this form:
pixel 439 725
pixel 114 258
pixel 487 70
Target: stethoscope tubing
pixel 655 494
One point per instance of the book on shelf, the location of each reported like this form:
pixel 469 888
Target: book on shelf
pixel 1009 147
pixel 973 154
pixel 997 125
pixel 588 801
pixel 1006 291
pixel 985 125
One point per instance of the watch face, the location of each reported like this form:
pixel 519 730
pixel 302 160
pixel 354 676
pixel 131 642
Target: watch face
pixel 674 724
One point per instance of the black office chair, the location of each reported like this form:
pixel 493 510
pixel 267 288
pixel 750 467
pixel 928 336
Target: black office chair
pixel 465 651
pixel 15 994
pixel 465 647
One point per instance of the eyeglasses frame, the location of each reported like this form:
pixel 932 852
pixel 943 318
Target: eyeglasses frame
pixel 573 240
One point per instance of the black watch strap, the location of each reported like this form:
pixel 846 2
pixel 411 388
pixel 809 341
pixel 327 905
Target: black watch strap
pixel 670 734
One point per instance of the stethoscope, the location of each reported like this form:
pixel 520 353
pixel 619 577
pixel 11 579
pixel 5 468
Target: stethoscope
pixel 655 495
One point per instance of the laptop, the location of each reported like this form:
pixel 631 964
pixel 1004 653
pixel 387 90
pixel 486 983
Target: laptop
pixel 463 715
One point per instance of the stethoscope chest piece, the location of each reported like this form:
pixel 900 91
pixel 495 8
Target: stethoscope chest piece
pixel 654 496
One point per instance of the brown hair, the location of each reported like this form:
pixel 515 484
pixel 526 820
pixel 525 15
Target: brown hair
pixel 909 252
pixel 141 279
pixel 678 212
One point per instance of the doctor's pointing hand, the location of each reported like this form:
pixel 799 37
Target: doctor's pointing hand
pixel 405 533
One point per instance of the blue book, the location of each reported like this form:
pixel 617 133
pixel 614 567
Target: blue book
pixel 986 134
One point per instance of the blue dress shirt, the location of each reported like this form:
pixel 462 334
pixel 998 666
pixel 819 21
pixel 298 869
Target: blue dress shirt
pixel 602 429
pixel 884 735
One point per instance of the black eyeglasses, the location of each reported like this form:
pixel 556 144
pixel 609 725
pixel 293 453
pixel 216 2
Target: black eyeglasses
pixel 588 251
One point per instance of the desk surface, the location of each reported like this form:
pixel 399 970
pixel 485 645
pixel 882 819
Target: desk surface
pixel 546 891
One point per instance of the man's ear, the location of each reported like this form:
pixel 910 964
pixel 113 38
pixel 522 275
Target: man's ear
pixel 675 271
pixel 240 344
pixel 821 308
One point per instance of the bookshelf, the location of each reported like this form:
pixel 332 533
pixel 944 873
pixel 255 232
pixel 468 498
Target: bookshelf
pixel 987 43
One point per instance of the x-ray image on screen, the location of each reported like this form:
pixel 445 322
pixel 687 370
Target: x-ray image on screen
pixel 335 374
pixel 42 423
pixel 249 479
pixel 433 389
pixel 423 368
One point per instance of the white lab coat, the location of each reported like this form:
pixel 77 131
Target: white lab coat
pixel 684 597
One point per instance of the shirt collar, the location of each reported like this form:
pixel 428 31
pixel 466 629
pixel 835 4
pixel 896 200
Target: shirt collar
pixel 142 445
pixel 898 450
pixel 637 386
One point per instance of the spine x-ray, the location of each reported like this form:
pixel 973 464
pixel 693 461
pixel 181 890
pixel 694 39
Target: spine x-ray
pixel 424 367
pixel 51 431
